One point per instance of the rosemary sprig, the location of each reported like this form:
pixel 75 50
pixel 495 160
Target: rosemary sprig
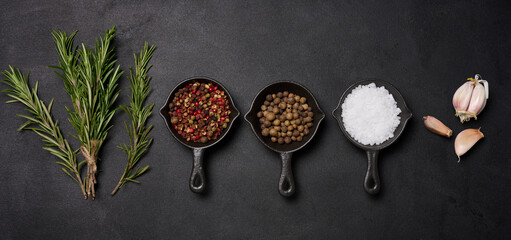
pixel 138 114
pixel 90 78
pixel 41 122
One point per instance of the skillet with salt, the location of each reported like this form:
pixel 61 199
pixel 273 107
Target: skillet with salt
pixel 372 118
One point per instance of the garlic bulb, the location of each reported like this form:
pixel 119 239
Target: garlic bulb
pixel 466 140
pixel 434 125
pixel 470 99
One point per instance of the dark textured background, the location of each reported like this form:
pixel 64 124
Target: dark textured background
pixel 425 49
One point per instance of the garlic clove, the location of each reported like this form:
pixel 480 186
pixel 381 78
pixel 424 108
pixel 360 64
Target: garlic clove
pixel 461 98
pixel 436 126
pixel 477 101
pixel 466 140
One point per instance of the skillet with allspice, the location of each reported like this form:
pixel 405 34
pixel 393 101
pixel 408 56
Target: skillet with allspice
pixel 285 117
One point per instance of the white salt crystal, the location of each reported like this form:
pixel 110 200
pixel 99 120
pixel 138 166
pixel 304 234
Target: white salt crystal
pixel 370 114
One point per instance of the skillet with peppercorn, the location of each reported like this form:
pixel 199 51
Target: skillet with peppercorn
pixel 199 112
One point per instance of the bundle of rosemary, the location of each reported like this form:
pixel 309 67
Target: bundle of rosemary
pixel 90 78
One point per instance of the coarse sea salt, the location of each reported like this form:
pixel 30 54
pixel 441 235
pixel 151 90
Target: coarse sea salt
pixel 370 114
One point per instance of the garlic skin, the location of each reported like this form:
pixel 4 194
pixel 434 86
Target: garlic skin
pixel 466 140
pixel 436 126
pixel 470 99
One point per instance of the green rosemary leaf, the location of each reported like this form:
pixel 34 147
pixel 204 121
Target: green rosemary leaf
pixel 132 180
pixel 24 125
pixel 69 174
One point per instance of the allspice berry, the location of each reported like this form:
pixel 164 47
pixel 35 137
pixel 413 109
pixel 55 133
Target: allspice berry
pixel 273 132
pixel 270 116
pixel 265 132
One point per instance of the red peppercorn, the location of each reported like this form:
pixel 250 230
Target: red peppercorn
pixel 191 130
pixel 222 118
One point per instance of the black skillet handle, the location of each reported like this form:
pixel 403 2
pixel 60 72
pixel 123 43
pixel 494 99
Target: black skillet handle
pixel 197 179
pixel 372 180
pixel 286 182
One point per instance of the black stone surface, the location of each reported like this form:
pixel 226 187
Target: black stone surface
pixel 424 48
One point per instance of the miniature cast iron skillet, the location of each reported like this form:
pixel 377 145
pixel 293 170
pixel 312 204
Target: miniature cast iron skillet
pixel 372 180
pixel 197 178
pixel 286 182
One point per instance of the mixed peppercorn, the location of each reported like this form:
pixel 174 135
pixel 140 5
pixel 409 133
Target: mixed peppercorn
pixel 285 117
pixel 199 112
